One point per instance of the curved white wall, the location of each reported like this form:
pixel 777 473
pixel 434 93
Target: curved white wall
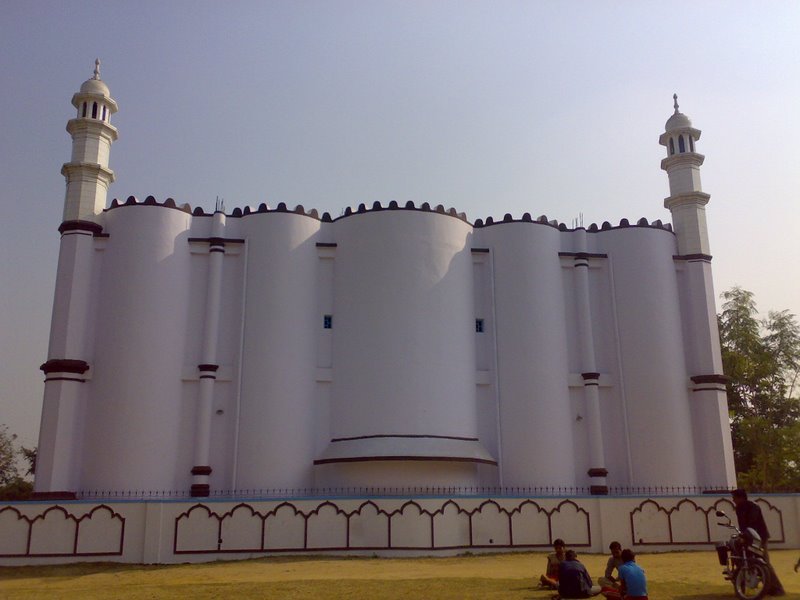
pixel 404 331
pixel 135 390
pixel 534 399
pixel 653 359
pixel 278 386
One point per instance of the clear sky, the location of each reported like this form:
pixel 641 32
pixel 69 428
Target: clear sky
pixel 491 107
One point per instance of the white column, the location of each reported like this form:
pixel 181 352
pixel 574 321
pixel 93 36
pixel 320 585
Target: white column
pixel 709 402
pixel 591 385
pixel 208 368
pixel 57 472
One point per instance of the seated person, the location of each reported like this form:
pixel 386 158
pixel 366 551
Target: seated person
pixel 573 578
pixel 614 563
pixel 632 579
pixel 550 577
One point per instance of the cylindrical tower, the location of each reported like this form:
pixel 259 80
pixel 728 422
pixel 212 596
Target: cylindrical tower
pixel 278 384
pixel 403 390
pixel 139 434
pixel 535 415
pixel 653 367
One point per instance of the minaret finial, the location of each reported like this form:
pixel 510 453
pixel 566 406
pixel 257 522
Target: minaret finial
pixel 675 97
pixel 96 68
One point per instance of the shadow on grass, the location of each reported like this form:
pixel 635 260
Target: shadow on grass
pixel 69 571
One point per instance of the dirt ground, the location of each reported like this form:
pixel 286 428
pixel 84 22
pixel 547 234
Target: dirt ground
pixel 671 576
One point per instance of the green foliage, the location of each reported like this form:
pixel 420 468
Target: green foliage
pixel 8 456
pixel 762 358
pixel 14 486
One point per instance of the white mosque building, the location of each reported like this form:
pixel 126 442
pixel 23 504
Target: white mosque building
pixel 394 346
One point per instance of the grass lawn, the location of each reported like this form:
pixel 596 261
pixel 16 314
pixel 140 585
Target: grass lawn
pixel 671 576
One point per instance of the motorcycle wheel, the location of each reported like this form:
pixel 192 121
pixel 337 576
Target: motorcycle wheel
pixel 751 583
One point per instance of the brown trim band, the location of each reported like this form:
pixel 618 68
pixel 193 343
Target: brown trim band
pixel 404 435
pixel 216 249
pixel 200 490
pixel 591 375
pixel 703 257
pixel 598 490
pixel 78 379
pixel 597 472
pixel 65 365
pixel 217 240
pixel 706 389
pixel 325 461
pixel 722 379
pixel 79 225
pixel 207 377
pixel 201 470
pixel 480 250
pixel 208 367
pixel 326 245
pixel 582 255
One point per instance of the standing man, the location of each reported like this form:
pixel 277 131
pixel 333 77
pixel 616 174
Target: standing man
pixel 748 513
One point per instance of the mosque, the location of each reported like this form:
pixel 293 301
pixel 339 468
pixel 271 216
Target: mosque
pixel 395 346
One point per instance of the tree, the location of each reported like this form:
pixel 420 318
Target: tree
pixel 13 486
pixel 762 359
pixel 8 456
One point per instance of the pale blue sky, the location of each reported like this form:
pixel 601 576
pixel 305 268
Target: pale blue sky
pixel 491 107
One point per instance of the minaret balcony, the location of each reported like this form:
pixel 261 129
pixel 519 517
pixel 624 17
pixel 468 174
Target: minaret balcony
pixel 684 158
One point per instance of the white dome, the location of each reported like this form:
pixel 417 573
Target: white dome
pixel 95 86
pixel 677 121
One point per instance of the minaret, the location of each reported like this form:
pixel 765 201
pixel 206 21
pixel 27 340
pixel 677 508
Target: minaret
pixel 707 384
pixel 87 173
pixel 686 201
pixel 68 369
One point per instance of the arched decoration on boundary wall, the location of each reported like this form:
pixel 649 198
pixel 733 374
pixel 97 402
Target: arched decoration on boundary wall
pixel 688 523
pixel 411 526
pixel 58 532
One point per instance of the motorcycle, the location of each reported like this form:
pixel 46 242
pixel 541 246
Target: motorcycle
pixel 744 562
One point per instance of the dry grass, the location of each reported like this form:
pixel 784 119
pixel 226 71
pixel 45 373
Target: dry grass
pixel 672 576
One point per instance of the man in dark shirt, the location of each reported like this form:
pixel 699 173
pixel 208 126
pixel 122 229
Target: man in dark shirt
pixel 748 513
pixel 573 578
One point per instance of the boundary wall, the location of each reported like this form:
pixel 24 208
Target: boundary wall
pixel 178 531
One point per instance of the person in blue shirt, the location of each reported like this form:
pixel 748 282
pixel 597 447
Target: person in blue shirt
pixel 632 579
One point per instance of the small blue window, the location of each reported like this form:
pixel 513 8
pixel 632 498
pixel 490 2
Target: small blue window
pixel 94 110
pixel 327 322
pixel 478 325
